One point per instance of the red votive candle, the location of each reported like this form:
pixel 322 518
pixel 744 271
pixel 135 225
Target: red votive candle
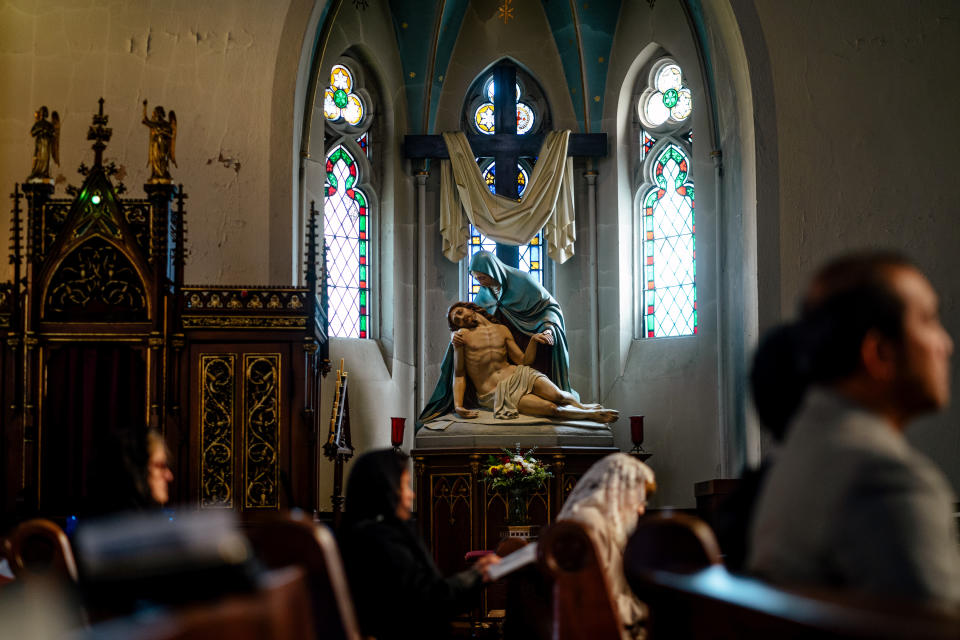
pixel 396 431
pixel 636 430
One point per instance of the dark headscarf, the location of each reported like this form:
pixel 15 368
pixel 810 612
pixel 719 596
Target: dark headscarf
pixel 373 489
pixel 119 473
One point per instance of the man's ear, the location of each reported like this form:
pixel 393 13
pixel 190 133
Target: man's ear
pixel 879 356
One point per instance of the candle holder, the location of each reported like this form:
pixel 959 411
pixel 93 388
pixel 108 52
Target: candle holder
pixel 636 434
pixel 397 425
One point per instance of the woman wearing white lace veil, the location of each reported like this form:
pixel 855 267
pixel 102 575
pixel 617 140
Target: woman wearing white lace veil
pixel 607 500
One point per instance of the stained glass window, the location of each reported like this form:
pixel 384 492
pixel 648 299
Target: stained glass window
pixel 479 116
pixel 340 103
pixel 667 100
pixel 483 117
pixel 646 144
pixel 477 242
pixel 490 173
pixel 531 257
pixel 346 224
pixel 364 142
pixel 669 247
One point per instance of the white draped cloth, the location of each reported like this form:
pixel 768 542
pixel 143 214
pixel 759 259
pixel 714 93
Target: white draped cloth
pixel 547 201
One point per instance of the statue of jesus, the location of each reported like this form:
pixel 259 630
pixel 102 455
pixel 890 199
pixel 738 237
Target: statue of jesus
pixel 486 354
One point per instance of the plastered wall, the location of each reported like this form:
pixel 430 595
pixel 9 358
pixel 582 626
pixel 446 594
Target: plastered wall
pixel 212 63
pixel 867 136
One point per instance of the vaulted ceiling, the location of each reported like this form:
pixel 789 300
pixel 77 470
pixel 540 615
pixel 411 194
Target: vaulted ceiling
pixel 427 32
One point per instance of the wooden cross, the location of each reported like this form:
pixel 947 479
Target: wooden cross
pixel 505 145
pixel 100 134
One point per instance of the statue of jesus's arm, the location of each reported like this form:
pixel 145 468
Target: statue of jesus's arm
pixel 513 350
pixel 460 383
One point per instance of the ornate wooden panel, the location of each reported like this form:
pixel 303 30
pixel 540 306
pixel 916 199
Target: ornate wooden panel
pixel 229 374
pixel 217 393
pixel 139 218
pixel 261 410
pixel 449 482
pixel 52 221
pixel 451 500
pixel 96 281
pixel 280 308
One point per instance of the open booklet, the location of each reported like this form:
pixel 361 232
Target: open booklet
pixel 510 563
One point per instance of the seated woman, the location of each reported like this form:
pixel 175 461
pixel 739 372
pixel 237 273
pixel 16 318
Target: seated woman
pixel 130 473
pixel 396 589
pixel 607 500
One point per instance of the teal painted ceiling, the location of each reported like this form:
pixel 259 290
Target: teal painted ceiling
pixel 427 32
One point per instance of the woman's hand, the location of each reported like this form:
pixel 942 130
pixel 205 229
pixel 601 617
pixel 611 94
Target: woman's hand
pixel 545 337
pixel 457 338
pixel 484 563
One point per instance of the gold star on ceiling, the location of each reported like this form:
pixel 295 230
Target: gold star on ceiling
pixel 506 11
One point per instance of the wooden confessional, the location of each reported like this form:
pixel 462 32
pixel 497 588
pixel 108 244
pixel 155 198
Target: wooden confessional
pixel 100 334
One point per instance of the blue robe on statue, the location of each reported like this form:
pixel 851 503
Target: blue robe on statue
pixel 522 303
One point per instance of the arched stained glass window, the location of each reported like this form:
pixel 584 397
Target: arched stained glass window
pixel 349 198
pixel 533 117
pixel 666 214
pixel 346 224
pixel 669 247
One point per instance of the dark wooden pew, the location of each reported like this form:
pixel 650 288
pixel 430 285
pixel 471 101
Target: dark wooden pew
pixel 292 539
pixel 40 548
pixel 565 596
pixel 691 595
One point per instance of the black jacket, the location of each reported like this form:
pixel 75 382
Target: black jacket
pixel 397 590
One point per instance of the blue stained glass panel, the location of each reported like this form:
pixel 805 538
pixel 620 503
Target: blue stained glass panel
pixel 531 257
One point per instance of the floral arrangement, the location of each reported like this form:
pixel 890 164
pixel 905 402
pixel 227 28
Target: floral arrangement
pixel 515 470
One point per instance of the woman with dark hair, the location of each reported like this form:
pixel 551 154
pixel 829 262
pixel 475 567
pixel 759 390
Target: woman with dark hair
pixel 847 501
pixel 130 472
pixel 396 588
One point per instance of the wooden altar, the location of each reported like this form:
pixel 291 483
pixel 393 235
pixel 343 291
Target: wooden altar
pixel 458 513
pixel 100 334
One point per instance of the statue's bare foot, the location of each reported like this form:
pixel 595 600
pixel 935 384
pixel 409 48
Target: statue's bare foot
pixel 606 416
pixel 600 414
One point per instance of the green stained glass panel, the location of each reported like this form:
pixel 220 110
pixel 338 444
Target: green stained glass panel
pixel 670 97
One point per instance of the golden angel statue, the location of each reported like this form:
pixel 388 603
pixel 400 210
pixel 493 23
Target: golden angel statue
pixel 46 144
pixel 163 143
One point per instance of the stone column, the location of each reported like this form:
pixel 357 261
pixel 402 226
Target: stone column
pixel 594 323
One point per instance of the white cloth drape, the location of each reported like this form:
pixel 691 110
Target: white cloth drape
pixel 547 201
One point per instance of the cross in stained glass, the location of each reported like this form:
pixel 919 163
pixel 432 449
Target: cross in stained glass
pixel 506 146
